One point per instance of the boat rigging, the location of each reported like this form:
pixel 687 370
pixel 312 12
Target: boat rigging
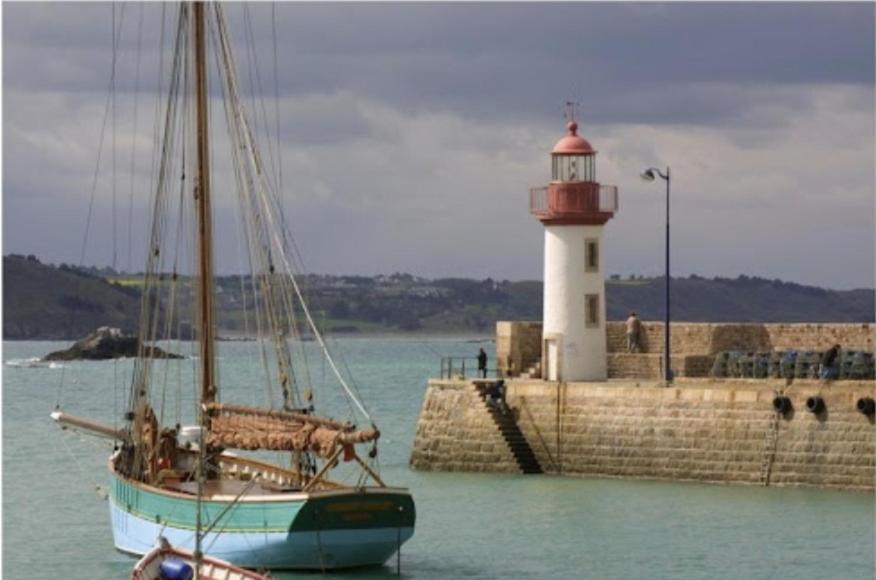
pixel 167 480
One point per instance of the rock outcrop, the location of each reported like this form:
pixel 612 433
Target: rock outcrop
pixel 107 343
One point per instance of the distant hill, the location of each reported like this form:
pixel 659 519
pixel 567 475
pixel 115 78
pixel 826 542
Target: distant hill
pixel 742 299
pixel 47 302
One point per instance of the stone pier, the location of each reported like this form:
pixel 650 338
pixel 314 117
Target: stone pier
pixel 721 431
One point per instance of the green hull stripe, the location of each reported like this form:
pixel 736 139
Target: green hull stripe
pixel 226 525
pixel 338 512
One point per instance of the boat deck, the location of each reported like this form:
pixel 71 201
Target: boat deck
pixel 230 487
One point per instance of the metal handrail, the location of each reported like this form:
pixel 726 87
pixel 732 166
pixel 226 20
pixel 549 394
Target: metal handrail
pixel 601 198
pixel 454 367
pixel 608 198
pixel 538 201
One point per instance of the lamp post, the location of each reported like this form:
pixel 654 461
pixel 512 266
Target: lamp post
pixel 651 174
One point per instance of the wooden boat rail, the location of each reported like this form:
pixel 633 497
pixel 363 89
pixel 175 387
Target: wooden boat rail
pixel 270 477
pixel 245 468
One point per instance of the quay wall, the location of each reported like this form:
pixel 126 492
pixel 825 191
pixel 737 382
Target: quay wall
pixel 712 338
pixel 697 430
pixel 518 344
pixel 456 433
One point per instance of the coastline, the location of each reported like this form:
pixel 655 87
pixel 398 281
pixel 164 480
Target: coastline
pixel 473 337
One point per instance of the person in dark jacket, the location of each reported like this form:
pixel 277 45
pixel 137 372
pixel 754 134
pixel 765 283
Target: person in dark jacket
pixel 482 363
pixel 830 363
pixel 495 396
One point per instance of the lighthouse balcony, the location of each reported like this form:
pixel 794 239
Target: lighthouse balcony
pixel 574 202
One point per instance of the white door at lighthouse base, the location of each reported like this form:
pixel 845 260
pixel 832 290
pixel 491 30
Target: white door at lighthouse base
pixel 551 352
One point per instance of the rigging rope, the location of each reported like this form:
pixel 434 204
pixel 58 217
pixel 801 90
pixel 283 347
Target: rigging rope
pixel 260 242
pixel 103 124
pixel 113 148
pixel 280 189
pixel 94 180
pixel 134 132
pixel 139 394
pixel 266 205
pixel 247 220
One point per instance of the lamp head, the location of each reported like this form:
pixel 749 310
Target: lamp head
pixel 648 175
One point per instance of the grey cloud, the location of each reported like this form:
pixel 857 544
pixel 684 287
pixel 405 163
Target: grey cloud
pixel 489 59
pixel 411 132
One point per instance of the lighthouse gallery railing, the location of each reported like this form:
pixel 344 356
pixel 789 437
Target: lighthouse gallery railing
pixel 599 198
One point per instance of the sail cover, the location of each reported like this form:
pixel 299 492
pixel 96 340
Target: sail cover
pixel 251 428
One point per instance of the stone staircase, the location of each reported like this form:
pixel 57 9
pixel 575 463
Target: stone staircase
pixel 514 438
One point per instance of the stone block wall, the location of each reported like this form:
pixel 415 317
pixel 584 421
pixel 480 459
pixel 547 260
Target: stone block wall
pixel 700 432
pixel 688 338
pixel 518 346
pixel 711 338
pixel 519 343
pixel 724 432
pixel 622 365
pixel 455 432
pixel 692 337
pixel 822 336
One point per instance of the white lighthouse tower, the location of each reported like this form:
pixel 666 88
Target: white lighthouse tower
pixel 574 208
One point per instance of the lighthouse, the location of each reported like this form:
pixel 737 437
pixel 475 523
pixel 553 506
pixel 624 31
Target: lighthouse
pixel 574 208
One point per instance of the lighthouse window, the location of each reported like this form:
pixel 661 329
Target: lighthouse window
pixel 592 301
pixel 572 168
pixel 592 255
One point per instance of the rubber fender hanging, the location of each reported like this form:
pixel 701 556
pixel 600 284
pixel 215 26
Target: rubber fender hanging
pixel 866 405
pixel 815 405
pixel 782 405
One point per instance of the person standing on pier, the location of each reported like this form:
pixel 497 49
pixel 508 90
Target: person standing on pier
pixel 634 333
pixel 482 363
pixel 829 370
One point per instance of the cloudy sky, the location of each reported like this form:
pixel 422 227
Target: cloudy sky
pixel 411 133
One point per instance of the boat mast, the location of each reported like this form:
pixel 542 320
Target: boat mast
pixel 202 196
pixel 205 258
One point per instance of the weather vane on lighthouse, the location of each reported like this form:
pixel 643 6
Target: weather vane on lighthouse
pixel 570 110
pixel 574 207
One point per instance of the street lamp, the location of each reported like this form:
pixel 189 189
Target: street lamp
pixel 651 174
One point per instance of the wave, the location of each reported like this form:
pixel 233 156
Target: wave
pixel 33 363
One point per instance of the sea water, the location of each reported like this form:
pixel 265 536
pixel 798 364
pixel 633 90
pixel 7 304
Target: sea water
pixel 56 519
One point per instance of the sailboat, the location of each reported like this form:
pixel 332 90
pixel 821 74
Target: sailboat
pixel 168 480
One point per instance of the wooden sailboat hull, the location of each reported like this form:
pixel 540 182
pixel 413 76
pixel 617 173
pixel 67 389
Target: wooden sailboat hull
pixel 149 567
pixel 341 528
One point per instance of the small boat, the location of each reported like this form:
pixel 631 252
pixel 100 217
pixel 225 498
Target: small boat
pixel 164 562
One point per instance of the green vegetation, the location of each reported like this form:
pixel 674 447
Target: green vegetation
pixel 44 301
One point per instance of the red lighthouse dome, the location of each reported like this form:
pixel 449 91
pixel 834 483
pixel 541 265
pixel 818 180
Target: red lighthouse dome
pixel 573 196
pixel 572 143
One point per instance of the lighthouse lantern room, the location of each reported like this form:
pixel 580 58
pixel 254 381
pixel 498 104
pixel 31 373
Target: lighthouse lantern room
pixel 574 208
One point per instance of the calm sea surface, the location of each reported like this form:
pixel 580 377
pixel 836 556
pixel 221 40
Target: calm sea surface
pixel 56 524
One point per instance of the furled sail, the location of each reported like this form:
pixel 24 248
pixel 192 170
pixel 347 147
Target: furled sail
pixel 252 428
